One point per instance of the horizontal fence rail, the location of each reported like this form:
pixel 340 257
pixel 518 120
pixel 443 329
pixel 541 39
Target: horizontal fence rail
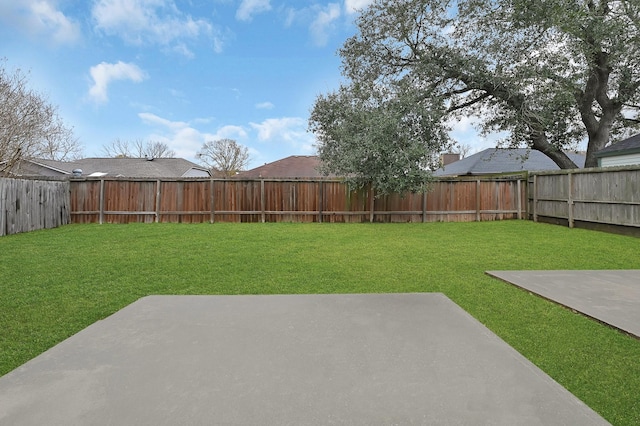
pixel 29 204
pixel 193 200
pixel 591 198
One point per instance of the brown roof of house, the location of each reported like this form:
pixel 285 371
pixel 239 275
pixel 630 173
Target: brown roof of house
pixel 295 166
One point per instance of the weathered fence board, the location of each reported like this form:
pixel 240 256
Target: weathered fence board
pixel 587 198
pixel 120 200
pixel 27 205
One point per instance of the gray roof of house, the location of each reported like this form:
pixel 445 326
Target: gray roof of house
pixel 503 160
pixel 626 146
pixel 127 167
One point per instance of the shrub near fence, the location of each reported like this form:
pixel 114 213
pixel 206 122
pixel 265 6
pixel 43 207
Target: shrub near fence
pixel 118 200
pixel 27 205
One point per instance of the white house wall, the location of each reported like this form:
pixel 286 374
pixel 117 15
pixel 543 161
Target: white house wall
pixel 620 160
pixel 196 173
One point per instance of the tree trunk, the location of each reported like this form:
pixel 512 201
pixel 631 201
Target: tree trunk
pixel 599 131
pixel 596 91
pixel 596 143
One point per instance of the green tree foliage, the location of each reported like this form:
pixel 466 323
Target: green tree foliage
pixel 30 126
pixel 548 74
pixel 380 135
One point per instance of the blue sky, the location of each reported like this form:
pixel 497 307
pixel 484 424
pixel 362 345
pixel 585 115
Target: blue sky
pixel 184 72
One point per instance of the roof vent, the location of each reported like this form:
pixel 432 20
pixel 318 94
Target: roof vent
pixel 77 172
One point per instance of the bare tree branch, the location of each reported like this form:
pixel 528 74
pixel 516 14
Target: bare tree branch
pixel 225 156
pixel 138 149
pixel 30 126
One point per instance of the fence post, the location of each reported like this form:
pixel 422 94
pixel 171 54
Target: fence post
pixel 478 200
pixel 157 200
pixel 320 200
pixel 424 205
pixel 519 192
pixel 101 216
pixel 262 200
pixel 570 198
pixel 4 195
pixel 535 198
pixel 372 205
pixel 212 218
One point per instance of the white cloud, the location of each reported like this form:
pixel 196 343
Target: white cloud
pixel 323 23
pixel 248 8
pixel 40 18
pixel 50 20
pixel 265 105
pixel 178 135
pixel 354 6
pixel 202 120
pixel 104 73
pixel 152 22
pixel 183 137
pixel 230 132
pixel 274 136
pixel 291 17
pixel 462 124
pixel 290 130
pixel 182 49
pixel 465 131
pixel 176 93
pixel 152 119
pixel 218 44
pixel 325 20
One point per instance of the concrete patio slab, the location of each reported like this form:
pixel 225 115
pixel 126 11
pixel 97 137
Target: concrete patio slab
pixel 367 359
pixel 612 297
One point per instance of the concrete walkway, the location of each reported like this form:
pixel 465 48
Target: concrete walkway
pixel 612 297
pixel 368 359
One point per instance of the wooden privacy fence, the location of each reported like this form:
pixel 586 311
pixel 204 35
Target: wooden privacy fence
pixel 117 200
pixel 592 198
pixel 27 205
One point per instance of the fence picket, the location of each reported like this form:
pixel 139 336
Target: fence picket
pixel 29 204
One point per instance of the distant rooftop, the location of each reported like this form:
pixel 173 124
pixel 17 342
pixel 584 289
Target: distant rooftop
pixel 295 166
pixel 503 160
pixel 126 167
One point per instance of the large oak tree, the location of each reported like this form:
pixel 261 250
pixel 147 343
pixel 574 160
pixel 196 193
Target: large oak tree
pixel 547 74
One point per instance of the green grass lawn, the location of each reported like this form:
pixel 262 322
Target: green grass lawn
pixel 54 283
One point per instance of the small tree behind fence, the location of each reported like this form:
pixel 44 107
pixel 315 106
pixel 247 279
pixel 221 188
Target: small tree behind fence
pixel 27 205
pixel 104 200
